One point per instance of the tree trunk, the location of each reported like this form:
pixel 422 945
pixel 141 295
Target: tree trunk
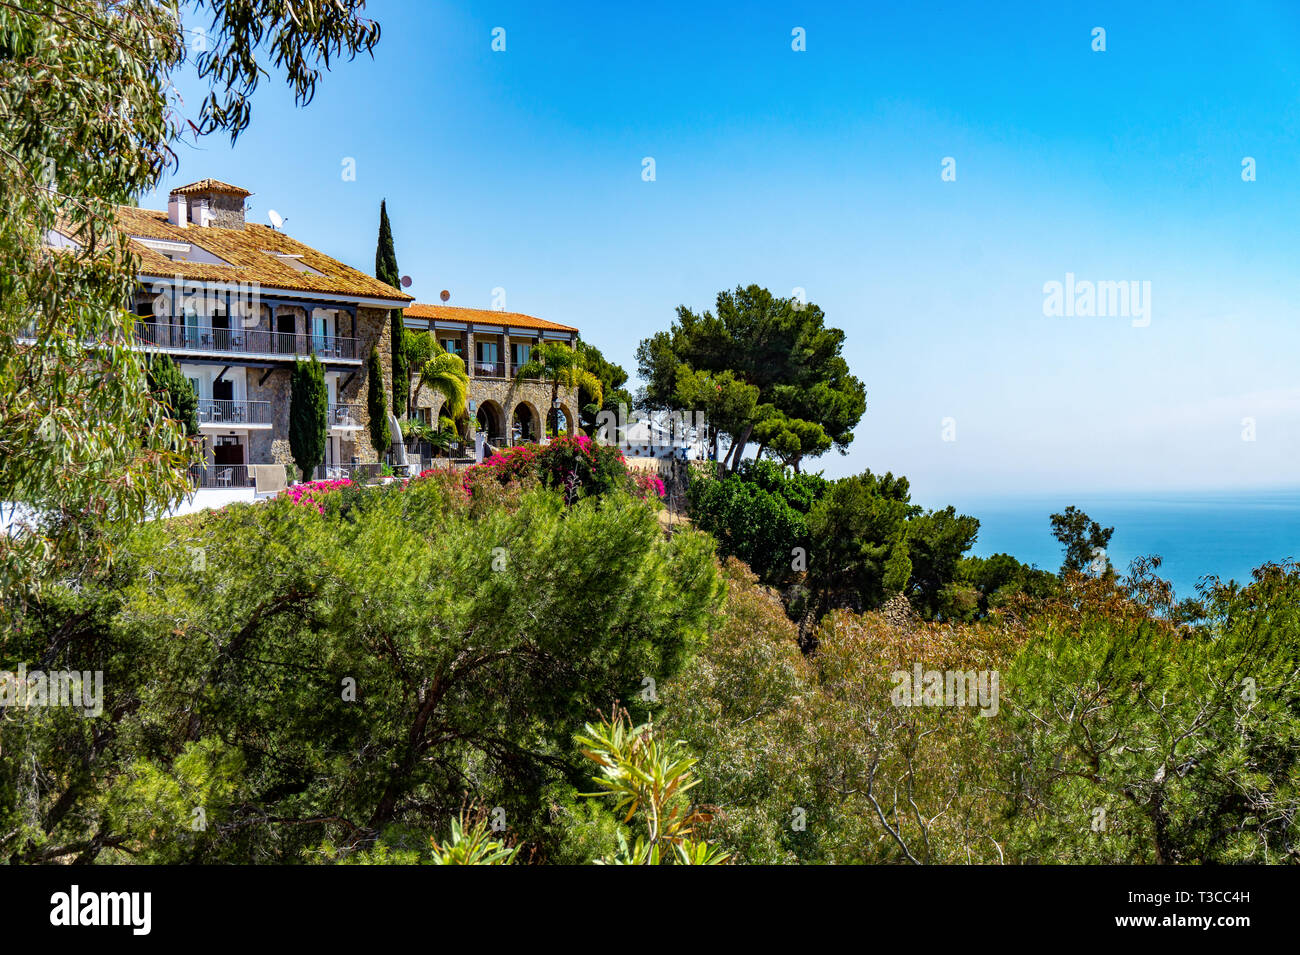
pixel 555 396
pixel 739 446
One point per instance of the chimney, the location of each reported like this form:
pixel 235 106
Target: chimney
pixel 200 214
pixel 212 204
pixel 176 213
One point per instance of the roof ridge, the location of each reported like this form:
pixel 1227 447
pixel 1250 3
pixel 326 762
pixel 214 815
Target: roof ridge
pixel 211 185
pixel 486 316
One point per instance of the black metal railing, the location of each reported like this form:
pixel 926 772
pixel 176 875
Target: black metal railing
pixel 356 473
pixel 220 475
pixel 222 412
pixel 489 369
pixel 243 341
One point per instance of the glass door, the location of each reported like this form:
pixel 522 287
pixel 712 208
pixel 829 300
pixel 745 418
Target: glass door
pixel 321 335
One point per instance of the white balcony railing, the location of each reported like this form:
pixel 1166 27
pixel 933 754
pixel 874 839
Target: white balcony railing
pixel 344 417
pixel 221 412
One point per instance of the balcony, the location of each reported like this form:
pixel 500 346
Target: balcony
pixel 356 473
pixel 345 417
pixel 234 414
pixel 221 475
pixel 489 369
pixel 245 341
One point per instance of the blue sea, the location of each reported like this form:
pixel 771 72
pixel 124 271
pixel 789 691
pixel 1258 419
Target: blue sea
pixel 1197 533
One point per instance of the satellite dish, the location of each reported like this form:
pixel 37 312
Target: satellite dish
pixel 406 281
pixel 277 220
pixel 444 295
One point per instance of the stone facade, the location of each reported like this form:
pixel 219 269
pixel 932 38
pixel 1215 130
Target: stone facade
pixel 227 210
pixel 500 403
pixel 505 402
pixel 272 446
pixel 266 447
pixel 374 328
pixel 250 352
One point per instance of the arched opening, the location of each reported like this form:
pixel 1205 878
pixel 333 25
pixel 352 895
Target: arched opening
pixel 525 424
pixel 560 420
pixel 491 421
pixel 565 420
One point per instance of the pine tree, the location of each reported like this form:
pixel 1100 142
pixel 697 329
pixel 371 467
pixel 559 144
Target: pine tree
pixel 377 405
pixel 386 271
pixel 308 413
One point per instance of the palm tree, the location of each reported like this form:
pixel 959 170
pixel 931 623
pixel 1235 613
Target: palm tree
pixel 560 365
pixel 457 428
pixel 444 374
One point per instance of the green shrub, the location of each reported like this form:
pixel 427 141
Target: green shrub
pixel 1186 751
pixel 348 671
pixel 799 489
pixel 1001 581
pixel 577 467
pixel 756 525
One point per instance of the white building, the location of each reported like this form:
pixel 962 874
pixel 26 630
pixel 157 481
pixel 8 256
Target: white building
pixel 664 435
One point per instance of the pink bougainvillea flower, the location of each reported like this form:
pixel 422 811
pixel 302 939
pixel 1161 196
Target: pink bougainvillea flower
pixel 309 494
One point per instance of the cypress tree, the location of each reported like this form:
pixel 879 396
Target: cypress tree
pixel 377 405
pixel 385 257
pixel 386 271
pixel 401 373
pixel 308 413
pixel 174 391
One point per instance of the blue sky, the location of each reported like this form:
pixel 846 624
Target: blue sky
pixel 821 170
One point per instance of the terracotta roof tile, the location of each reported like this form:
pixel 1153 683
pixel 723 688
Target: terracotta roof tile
pixel 211 185
pixel 251 254
pixel 483 316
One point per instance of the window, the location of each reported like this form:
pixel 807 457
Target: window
pixel 451 345
pixel 294 261
pixel 486 352
pixel 519 353
pixel 180 251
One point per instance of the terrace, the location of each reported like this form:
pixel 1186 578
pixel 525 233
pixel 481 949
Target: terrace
pixel 249 343
pixel 344 417
pixel 222 413
pixel 221 475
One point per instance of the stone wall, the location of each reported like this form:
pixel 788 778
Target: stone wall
pixel 373 329
pixel 227 210
pixel 271 445
pixel 504 396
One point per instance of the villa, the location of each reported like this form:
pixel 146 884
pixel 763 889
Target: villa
pixel 236 304
pixel 495 345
